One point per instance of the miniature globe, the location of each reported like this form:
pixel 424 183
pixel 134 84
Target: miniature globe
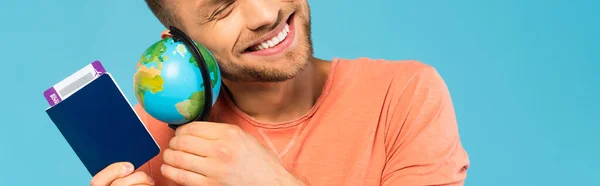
pixel 168 83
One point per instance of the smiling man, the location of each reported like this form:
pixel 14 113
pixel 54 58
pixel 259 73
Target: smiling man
pixel 285 117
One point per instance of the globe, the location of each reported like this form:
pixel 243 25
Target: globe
pixel 168 83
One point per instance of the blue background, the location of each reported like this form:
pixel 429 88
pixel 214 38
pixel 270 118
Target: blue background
pixel 521 73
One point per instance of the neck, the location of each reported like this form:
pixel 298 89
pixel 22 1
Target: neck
pixel 281 101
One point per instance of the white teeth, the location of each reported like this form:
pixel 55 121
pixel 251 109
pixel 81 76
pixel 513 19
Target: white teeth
pixel 273 41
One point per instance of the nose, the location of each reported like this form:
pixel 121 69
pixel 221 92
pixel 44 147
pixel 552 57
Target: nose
pixel 261 13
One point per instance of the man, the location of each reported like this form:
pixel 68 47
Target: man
pixel 288 118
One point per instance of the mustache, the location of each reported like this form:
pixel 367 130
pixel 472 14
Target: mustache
pixel 249 37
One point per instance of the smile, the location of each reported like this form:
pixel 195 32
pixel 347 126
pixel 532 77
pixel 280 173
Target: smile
pixel 273 41
pixel 276 42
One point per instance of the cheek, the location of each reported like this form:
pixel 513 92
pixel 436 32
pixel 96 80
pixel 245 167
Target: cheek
pixel 222 36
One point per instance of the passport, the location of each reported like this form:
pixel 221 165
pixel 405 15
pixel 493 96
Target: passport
pixel 102 127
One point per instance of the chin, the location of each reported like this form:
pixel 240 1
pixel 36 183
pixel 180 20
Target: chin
pixel 279 70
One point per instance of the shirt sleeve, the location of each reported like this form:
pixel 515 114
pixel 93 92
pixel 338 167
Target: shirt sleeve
pixel 422 141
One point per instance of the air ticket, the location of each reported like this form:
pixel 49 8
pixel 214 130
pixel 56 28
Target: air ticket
pixel 74 82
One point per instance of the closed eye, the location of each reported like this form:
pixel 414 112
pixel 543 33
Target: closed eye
pixel 220 10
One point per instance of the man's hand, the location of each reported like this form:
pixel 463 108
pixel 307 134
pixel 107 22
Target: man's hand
pixel 120 174
pixel 206 153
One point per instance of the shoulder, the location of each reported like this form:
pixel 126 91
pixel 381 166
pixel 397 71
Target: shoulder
pixel 398 89
pixel 380 74
pixel 402 85
pixel 406 93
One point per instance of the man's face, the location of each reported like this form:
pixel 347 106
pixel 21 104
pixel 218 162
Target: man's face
pixel 253 40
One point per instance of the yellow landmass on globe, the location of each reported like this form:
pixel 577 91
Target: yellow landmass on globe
pixel 147 79
pixel 183 109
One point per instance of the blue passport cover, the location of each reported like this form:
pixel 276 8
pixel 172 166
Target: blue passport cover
pixel 102 128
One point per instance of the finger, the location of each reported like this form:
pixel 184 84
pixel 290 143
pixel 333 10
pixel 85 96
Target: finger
pixel 183 177
pixel 207 130
pixel 111 172
pixel 135 178
pixel 187 161
pixel 196 145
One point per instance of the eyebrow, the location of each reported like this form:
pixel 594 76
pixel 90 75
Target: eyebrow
pixel 209 3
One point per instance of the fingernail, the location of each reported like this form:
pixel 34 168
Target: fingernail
pixel 128 168
pixel 162 167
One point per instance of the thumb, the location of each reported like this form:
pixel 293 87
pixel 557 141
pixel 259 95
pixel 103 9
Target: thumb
pixel 111 173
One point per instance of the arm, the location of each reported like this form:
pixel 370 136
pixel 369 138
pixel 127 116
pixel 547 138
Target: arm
pixel 422 144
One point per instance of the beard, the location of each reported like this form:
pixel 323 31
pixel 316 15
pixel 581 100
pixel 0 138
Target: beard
pixel 291 64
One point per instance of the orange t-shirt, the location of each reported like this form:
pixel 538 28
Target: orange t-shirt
pixel 377 122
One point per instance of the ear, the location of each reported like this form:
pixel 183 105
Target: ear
pixel 165 34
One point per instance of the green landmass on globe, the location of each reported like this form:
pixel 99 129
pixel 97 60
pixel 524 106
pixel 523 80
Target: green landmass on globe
pixel 150 81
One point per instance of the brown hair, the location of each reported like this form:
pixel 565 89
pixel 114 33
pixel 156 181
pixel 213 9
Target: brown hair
pixel 162 12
